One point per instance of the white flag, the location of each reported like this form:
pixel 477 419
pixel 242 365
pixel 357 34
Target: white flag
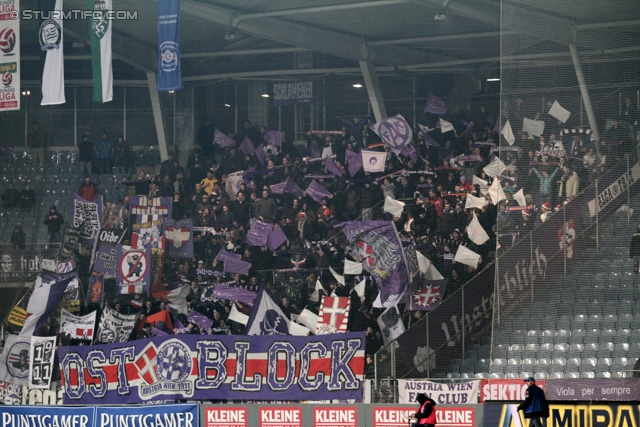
pixel 338 277
pixel 360 288
pixel 423 262
pixel 315 296
pixel 178 299
pixel 519 197
pixel 16 360
pixel 445 126
pixel 100 29
pixel 533 127
pixel 298 330
pixel 373 161
pixel 77 327
pixel 267 318
pixel 476 233
pixel 479 181
pixel 508 133
pixel 43 350
pixel 394 207
pixel 559 113
pixel 495 167
pixel 474 202
pixel 351 267
pixel 309 319
pixel 433 273
pixel 390 323
pixel 238 317
pixel 51 40
pixel 425 129
pixel 466 256
pixel 496 192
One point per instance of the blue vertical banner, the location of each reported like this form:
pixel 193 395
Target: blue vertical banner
pixel 169 72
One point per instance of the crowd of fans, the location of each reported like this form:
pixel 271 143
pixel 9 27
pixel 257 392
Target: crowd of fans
pixel 551 169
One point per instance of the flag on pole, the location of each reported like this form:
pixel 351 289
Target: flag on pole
pixel 519 197
pixel 51 41
pixel 101 55
pixel 445 126
pixel 426 294
pixel 467 256
pixel 435 105
pixel 46 296
pixel 333 316
pixel 223 140
pixel 266 317
pixel 508 133
pixel 390 323
pixel 559 112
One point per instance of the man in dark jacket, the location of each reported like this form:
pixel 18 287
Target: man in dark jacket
pixel 54 222
pixel 11 197
pixel 426 415
pixel 634 249
pixel 535 405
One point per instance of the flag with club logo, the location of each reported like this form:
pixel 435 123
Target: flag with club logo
pixel 219 138
pixel 100 29
pixel 178 237
pixel 435 105
pixel 395 132
pixel 373 161
pixel 114 326
pixel 169 69
pixel 133 274
pixel 47 293
pixel 390 323
pixel 16 360
pixel 333 315
pixel 77 327
pixel 43 351
pixel 51 41
pixel 426 294
pixel 266 317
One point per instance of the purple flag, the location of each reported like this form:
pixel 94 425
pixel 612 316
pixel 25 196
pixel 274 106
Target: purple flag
pixel 315 151
pixel 273 137
pixel 223 140
pixel 498 126
pixel 426 294
pixel 105 255
pixel 292 188
pixel 430 142
pixel 276 238
pixel 236 266
pixel 469 127
pixel 247 146
pixel 234 294
pixel 435 105
pixel 395 132
pixel 179 238
pixel 260 153
pixel 317 192
pixel 355 162
pixel 377 245
pixel 332 167
pixel 158 333
pixel 410 151
pixel 223 255
pixel 278 188
pixel 258 233
pixel 200 319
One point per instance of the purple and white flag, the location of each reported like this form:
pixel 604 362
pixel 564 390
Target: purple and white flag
pixel 273 137
pixel 258 233
pixel 317 192
pixel 223 140
pixel 435 105
pixel 178 238
pixel 332 167
pixel 266 317
pixel 236 266
pixel 87 217
pixel 149 209
pixel 260 153
pixel 395 132
pixel 47 294
pixel 354 160
pixel 105 255
pixel 133 274
pixel 426 294
pixel 377 245
pixel 276 238
pixel 234 294
pixel 200 319
pixel 373 161
pixel 247 146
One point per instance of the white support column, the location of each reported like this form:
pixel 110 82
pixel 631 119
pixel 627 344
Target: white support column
pixel 373 89
pixel 585 95
pixel 157 114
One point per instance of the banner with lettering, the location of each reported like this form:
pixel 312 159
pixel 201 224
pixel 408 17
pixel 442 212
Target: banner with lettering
pixel 604 415
pixel 77 327
pixel 291 93
pixel 17 265
pixel 150 207
pixel 188 367
pixel 169 70
pixel 183 415
pixel 87 217
pixel 41 367
pixel 594 389
pixel 105 253
pixel 443 394
pixel 10 55
pixel 37 416
pixel 446 416
pixel 506 389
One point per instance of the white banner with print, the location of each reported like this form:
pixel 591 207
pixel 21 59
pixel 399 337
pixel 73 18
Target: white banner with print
pixel 443 394
pixel 42 355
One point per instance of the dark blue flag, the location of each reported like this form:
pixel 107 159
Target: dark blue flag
pixel 169 72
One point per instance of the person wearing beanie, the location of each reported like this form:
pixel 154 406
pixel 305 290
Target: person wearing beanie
pixel 54 222
pixel 535 404
pixel 546 211
pixel 426 415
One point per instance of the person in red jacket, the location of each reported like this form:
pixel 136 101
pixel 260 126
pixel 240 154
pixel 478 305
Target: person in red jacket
pixel 426 415
pixel 88 190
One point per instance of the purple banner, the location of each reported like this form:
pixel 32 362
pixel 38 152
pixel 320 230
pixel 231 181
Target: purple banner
pixel 273 137
pixel 236 266
pixel 377 245
pixel 188 367
pixel 260 153
pixel 258 233
pixel 410 151
pixel 597 389
pixel 149 209
pixel 288 186
pixel 223 140
pixel 234 294
pixel 105 254
pixel 332 167
pixel 435 105
pixel 430 142
pixel 223 255
pixel 178 238
pixel 355 162
pixel 87 218
pixel 247 146
pixel 317 192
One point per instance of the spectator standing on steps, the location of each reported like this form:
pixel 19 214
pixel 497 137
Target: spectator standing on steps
pixel 85 154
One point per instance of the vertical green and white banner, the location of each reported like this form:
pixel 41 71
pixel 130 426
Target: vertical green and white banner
pixel 51 39
pixel 101 54
pixel 9 55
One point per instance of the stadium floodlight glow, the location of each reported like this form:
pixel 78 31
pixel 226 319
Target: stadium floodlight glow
pixel 265 95
pixel 227 105
pixel 357 85
pixel 26 92
pixel 493 79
